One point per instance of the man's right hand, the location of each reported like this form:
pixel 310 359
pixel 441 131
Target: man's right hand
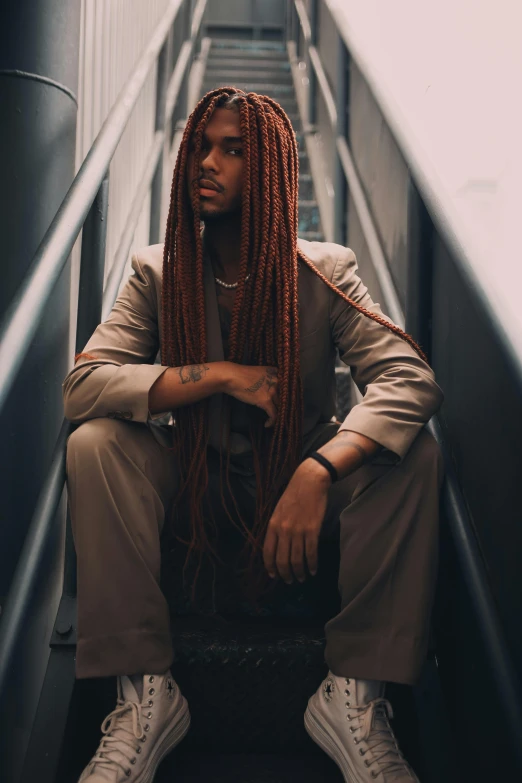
pixel 256 386
pixel 179 386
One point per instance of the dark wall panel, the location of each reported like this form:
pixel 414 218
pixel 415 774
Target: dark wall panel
pixel 482 419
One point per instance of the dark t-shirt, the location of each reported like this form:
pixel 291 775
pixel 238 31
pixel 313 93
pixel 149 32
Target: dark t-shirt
pixel 240 412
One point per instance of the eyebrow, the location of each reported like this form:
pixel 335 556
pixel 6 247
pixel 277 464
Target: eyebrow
pixel 228 139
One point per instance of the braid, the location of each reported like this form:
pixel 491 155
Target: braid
pixel 265 317
pixel 364 311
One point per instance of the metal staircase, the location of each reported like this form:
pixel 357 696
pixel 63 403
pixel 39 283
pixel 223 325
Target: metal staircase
pixel 247 676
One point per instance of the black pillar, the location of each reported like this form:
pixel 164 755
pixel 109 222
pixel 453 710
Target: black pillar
pixel 39 43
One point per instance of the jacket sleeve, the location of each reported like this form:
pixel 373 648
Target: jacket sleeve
pixel 116 369
pixel 399 390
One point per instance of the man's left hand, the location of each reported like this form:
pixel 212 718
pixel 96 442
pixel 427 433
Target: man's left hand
pixel 293 531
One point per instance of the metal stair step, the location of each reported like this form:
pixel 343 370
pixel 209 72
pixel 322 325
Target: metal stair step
pixel 284 91
pixel 239 63
pixel 223 671
pixel 312 236
pixel 247 688
pixel 184 767
pixel 236 58
pixel 267 77
pixel 235 44
pixel 271 88
pixel 309 219
pixel 306 187
pixel 304 162
pixel 287 102
pixel 236 55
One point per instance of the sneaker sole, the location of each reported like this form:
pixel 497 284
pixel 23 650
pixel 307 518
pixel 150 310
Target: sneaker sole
pixel 326 742
pixel 167 743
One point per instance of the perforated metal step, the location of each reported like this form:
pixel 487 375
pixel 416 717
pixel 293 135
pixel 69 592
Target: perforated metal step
pixel 182 767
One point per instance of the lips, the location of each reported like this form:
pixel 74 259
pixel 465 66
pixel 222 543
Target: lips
pixel 207 184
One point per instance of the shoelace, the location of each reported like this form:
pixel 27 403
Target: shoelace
pixel 114 721
pixel 380 739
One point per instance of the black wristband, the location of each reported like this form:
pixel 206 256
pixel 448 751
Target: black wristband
pixel 326 464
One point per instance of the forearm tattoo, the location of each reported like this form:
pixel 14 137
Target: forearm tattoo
pixel 363 454
pixel 271 378
pixel 257 385
pixel 192 372
pixel 341 444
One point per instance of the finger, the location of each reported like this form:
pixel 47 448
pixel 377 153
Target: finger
pixel 271 410
pixel 269 551
pixel 297 557
pixel 311 552
pixel 283 557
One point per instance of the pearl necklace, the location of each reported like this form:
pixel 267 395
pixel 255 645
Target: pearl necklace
pixel 229 285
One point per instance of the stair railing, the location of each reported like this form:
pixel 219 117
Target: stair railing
pixel 86 205
pixel 301 30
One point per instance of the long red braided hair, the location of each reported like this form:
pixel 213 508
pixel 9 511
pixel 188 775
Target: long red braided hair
pixel 265 323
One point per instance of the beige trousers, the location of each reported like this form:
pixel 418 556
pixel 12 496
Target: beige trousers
pixel 120 483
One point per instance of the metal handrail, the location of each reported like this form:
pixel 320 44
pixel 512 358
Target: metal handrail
pixel 27 309
pixel 32 556
pixel 322 80
pixel 464 537
pixel 304 21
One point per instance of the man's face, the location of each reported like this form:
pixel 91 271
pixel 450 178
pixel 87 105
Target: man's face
pixel 220 175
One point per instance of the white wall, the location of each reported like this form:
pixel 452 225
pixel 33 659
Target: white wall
pixel 453 70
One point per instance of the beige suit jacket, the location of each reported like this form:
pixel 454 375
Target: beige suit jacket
pixel 398 388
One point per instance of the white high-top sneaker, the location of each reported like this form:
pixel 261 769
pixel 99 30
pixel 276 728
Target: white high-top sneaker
pixel 138 735
pixel 348 719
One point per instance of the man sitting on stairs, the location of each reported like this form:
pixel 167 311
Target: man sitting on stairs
pixel 248 318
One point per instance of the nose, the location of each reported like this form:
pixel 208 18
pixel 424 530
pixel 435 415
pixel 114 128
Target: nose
pixel 208 160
